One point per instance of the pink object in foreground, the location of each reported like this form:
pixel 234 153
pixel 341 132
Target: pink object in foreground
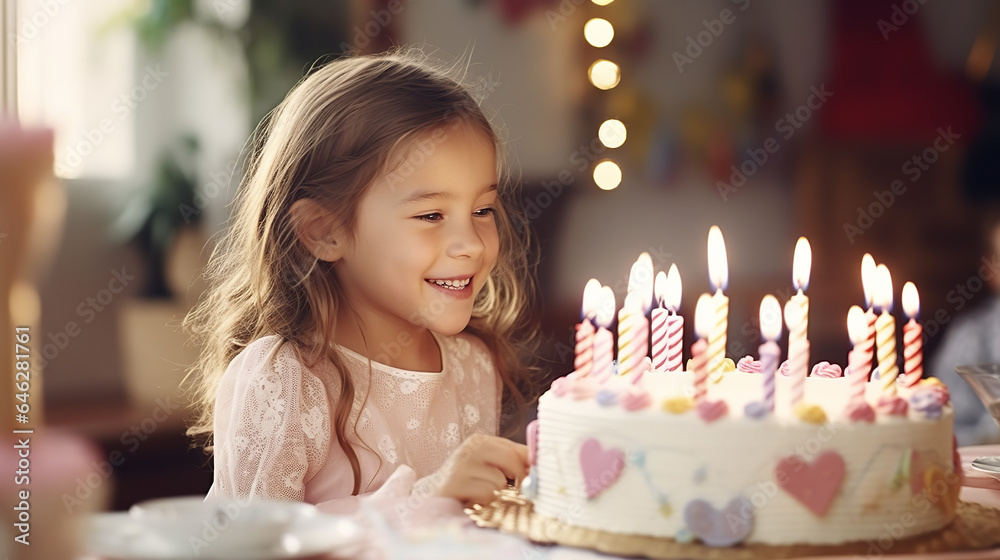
pixel 583 363
pixel 531 438
pixel 814 485
pixel 601 467
pixel 826 369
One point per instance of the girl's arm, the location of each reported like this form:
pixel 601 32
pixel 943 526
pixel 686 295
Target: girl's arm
pixel 272 425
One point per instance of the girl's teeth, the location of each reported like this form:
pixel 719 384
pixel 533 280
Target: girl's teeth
pixel 453 284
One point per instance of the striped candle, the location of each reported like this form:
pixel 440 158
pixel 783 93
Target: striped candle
pixel 604 342
pixel 798 352
pixel 668 325
pixel 583 360
pixel 913 338
pixel 868 282
pixel 885 332
pixel 769 351
pixel 633 336
pixel 858 362
pixel 659 320
pixel 718 274
pixel 704 320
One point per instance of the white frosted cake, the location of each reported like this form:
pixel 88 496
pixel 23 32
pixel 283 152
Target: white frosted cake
pixel 633 455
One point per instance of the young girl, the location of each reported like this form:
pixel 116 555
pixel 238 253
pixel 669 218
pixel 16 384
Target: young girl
pixel 368 303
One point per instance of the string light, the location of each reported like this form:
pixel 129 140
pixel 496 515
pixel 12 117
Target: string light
pixel 607 175
pixel 604 74
pixel 612 133
pixel 598 32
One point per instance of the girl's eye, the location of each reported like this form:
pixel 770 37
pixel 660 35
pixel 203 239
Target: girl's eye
pixel 432 217
pixel 482 212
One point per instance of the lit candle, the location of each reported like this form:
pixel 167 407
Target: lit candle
pixel 770 352
pixel 913 339
pixel 704 322
pixel 885 331
pixel 718 275
pixel 798 352
pixel 801 268
pixel 583 361
pixel 668 325
pixel 868 282
pixel 858 361
pixel 633 327
pixel 604 343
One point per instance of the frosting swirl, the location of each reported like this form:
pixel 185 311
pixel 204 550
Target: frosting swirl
pixel 783 370
pixel 636 399
pixel 749 365
pixel 929 399
pixel 826 369
pixel 891 405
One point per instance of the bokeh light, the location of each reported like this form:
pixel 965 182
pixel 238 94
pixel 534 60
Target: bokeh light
pixel 598 32
pixel 604 74
pixel 612 133
pixel 607 175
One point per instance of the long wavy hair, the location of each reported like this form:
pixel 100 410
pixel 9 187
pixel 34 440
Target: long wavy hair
pixel 334 134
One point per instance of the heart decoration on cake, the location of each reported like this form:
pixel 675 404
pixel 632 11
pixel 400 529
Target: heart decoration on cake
pixel 531 438
pixel 724 527
pixel 814 485
pixel 601 467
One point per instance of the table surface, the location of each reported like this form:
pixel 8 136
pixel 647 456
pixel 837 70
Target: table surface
pixel 457 540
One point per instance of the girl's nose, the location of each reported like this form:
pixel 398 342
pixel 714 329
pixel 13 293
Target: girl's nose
pixel 465 240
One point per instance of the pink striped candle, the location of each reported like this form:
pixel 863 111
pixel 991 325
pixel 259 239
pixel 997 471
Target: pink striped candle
pixel 583 360
pixel 868 282
pixel 704 321
pixel 633 327
pixel 885 332
pixel 913 339
pixel 668 325
pixel 770 352
pixel 858 363
pixel 604 341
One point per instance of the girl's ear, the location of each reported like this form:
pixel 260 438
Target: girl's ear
pixel 316 228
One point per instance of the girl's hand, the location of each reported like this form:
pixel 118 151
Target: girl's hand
pixel 481 465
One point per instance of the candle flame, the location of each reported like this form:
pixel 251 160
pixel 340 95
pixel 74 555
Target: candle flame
pixel 911 300
pixel 640 281
pixel 704 316
pixel 591 299
pixel 660 288
pixel 883 288
pixel 605 313
pixel 801 264
pixel 718 263
pixel 857 325
pixel 770 318
pixel 673 287
pixel 868 277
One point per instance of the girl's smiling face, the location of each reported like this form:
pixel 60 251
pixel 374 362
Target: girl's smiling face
pixel 425 239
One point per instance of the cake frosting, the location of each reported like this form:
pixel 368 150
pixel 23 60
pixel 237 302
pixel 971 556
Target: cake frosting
pixel 635 455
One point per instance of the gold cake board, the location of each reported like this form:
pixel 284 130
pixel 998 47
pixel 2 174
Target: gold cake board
pixel 975 527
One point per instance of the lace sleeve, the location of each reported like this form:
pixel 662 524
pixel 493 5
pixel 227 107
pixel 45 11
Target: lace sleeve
pixel 272 425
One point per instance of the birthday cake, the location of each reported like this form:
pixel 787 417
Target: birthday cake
pixel 753 454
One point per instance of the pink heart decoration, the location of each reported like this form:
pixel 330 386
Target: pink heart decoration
pixel 531 437
pixel 720 528
pixel 601 467
pixel 813 485
pixel 710 411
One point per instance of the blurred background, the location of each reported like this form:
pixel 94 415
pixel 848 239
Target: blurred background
pixel 866 126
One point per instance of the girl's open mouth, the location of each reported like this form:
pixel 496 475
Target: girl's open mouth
pixel 458 287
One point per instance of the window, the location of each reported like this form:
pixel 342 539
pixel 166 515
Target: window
pixel 75 70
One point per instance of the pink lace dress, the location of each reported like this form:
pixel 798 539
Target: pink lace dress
pixel 273 436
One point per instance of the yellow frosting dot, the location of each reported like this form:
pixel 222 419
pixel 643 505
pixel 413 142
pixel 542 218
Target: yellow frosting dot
pixel 930 381
pixel 666 510
pixel 678 405
pixel 728 365
pixel 810 413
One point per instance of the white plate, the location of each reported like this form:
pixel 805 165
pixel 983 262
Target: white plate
pixel 121 537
